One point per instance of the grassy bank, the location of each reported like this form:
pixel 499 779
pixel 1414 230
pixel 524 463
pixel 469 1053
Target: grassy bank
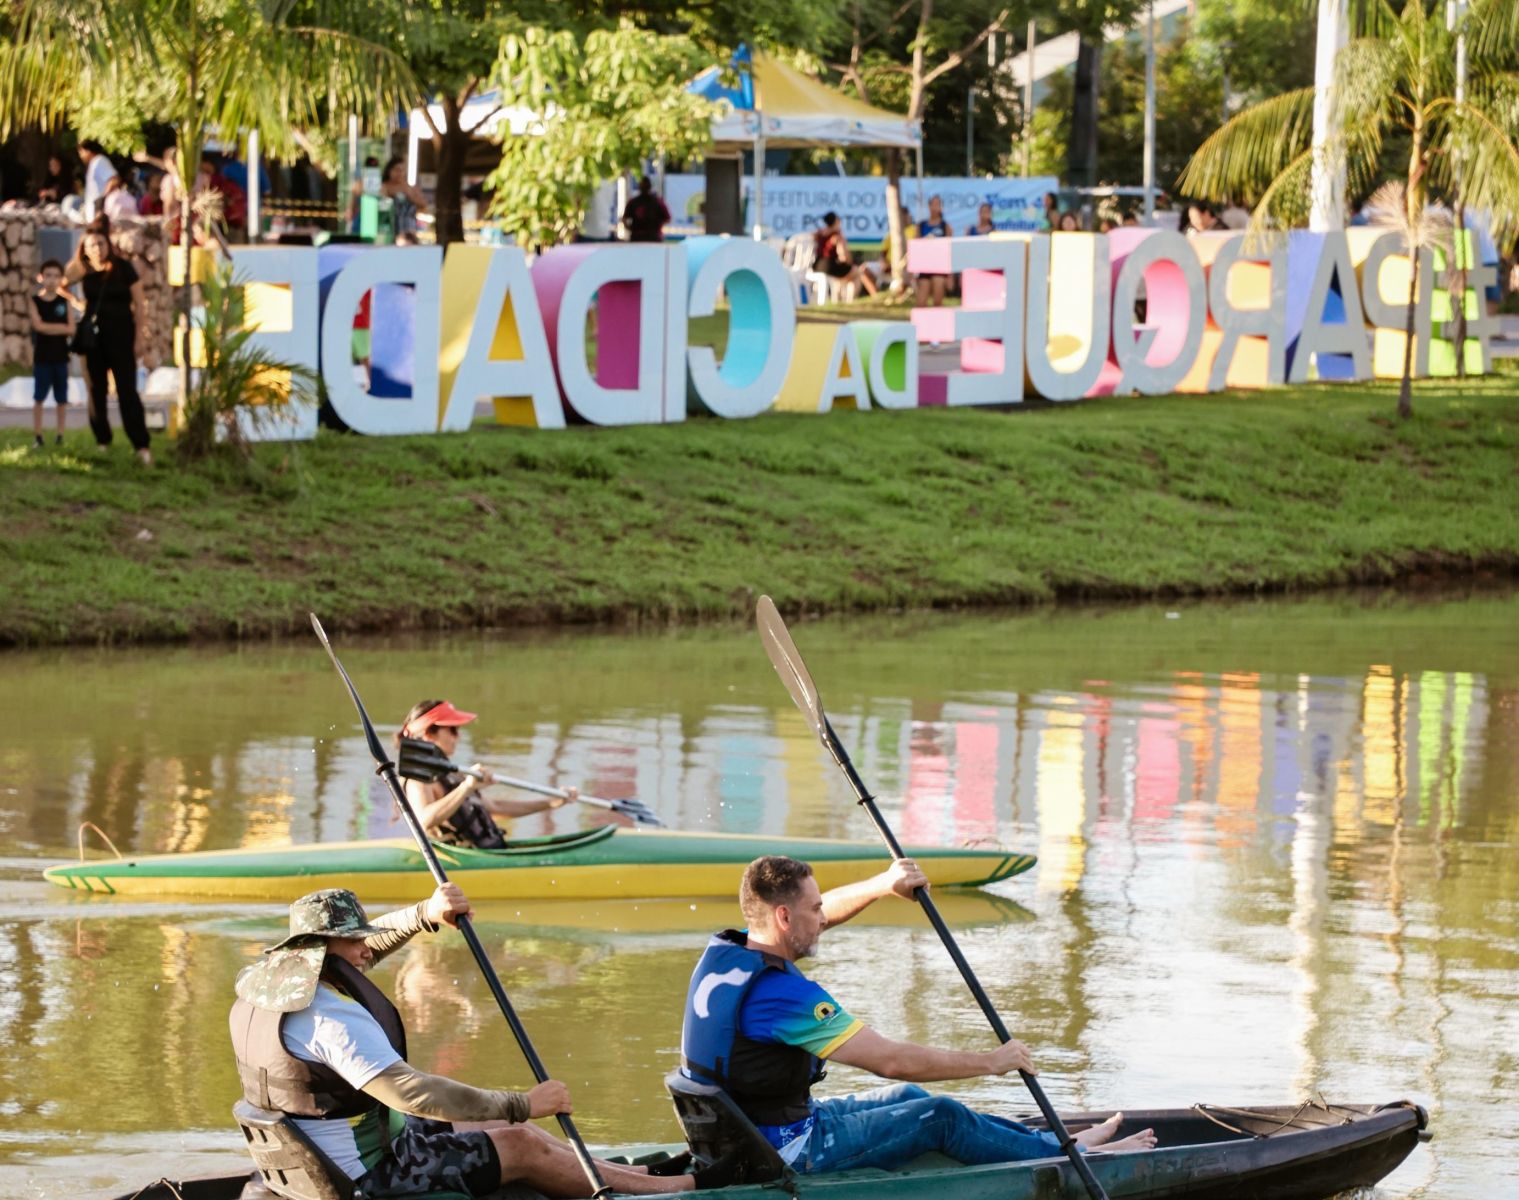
pixel 1291 489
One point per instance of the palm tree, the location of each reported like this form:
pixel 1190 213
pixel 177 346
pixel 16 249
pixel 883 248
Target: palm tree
pixel 1421 228
pixel 1396 81
pixel 276 66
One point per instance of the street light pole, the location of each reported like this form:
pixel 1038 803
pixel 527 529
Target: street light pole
pixel 970 131
pixel 1150 115
pixel 1028 95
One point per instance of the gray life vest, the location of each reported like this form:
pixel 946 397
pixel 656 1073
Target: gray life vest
pixel 275 1079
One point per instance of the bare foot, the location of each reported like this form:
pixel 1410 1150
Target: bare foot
pixel 1143 1140
pixel 1098 1134
pixel 1101 1136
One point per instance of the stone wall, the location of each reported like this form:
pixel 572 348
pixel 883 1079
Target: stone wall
pixel 141 240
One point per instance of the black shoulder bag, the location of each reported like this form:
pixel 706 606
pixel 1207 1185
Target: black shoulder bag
pixel 87 332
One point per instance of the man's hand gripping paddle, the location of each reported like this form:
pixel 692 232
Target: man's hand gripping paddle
pixel 793 672
pixel 387 771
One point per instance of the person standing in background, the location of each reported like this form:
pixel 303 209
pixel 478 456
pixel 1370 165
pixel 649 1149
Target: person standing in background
pixel 984 223
pixel 646 215
pixel 931 288
pixel 98 171
pixel 406 201
pixel 114 301
pixel 119 203
pixel 56 184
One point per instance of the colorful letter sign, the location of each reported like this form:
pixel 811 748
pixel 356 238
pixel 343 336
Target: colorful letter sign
pixel 1060 316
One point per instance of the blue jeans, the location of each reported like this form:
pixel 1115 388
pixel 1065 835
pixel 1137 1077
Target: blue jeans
pixel 891 1126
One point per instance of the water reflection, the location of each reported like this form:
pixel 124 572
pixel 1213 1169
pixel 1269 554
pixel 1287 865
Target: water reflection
pixel 1276 840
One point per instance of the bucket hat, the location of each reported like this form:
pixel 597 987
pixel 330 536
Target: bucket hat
pixel 285 979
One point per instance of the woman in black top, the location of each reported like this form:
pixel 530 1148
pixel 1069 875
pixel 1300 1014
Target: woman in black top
pixel 113 294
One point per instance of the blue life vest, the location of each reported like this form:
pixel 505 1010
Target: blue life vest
pixel 770 1081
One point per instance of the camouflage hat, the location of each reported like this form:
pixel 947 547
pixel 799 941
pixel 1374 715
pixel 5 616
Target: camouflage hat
pixel 286 978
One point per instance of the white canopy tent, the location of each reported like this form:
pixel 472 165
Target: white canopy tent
pixel 777 106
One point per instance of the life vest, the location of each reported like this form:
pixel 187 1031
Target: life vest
pixel 275 1079
pixel 771 1082
pixel 470 824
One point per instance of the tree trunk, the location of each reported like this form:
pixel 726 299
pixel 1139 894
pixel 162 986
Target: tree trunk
pixel 896 237
pixel 1081 157
pixel 450 145
pixel 1406 390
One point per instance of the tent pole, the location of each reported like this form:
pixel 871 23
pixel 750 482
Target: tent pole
pixel 255 193
pixel 919 150
pixel 759 177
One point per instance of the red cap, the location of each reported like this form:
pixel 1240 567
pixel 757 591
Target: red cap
pixel 442 713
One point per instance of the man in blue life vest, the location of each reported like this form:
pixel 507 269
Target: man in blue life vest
pixel 761 1030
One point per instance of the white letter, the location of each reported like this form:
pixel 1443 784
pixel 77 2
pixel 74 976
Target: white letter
pixel 418 266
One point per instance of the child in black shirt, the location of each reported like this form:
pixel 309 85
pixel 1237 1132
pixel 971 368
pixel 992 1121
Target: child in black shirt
pixel 52 327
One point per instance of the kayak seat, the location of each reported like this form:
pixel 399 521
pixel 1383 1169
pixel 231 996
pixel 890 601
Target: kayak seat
pixel 715 1127
pixel 290 1163
pixel 291 1167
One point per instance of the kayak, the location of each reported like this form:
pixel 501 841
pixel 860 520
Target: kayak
pixel 1308 1151
pixel 604 863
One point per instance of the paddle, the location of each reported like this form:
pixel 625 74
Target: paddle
pixel 788 664
pixel 424 760
pixel 387 771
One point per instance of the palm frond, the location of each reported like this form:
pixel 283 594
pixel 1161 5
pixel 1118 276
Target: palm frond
pixel 1494 29
pixel 1251 149
pixel 1368 75
pixel 1488 162
pixel 1421 227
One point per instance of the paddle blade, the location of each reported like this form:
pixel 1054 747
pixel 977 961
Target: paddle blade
pixel 787 660
pixel 424 760
pixel 375 747
pixel 641 813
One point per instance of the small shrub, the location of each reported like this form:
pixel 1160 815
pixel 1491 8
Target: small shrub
pixel 240 389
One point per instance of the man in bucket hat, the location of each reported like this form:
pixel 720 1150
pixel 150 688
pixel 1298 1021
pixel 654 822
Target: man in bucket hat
pixel 317 1041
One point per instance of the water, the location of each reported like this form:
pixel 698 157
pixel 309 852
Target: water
pixel 1277 846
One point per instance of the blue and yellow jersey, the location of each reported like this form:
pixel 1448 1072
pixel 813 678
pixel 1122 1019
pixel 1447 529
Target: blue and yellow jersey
pixel 789 1008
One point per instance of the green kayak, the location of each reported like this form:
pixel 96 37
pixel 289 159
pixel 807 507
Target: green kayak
pixel 1307 1151
pixel 609 862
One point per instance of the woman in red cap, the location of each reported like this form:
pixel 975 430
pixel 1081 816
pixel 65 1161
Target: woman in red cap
pixel 450 809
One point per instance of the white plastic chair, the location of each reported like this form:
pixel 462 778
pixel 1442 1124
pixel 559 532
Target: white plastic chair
pixel 797 257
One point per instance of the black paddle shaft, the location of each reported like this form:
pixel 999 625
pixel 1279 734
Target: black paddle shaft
pixel 387 771
pixel 993 1018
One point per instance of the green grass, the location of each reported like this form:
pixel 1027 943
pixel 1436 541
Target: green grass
pixel 1291 489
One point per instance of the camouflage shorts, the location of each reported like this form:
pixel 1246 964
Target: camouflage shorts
pixel 429 1156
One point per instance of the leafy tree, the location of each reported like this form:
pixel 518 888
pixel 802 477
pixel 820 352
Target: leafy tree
pixel 607 104
pixel 454 47
pixel 1398 81
pixel 934 39
pixel 107 66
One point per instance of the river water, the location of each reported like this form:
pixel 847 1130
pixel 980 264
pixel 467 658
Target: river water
pixel 1277 848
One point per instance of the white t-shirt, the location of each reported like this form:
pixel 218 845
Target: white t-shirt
pixel 99 173
pixel 339 1033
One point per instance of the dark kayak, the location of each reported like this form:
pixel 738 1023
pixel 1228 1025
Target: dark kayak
pixel 1308 1151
